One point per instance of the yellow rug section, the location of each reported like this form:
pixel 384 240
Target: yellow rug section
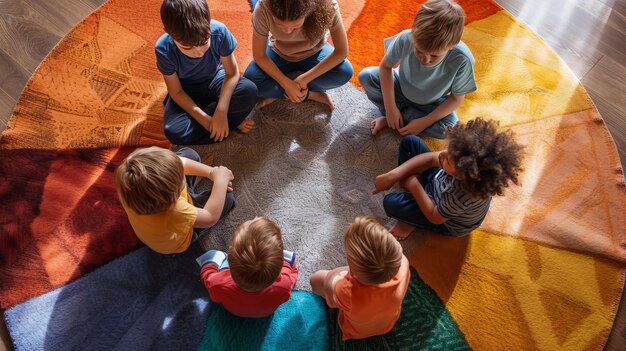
pixel 511 294
pixel 520 79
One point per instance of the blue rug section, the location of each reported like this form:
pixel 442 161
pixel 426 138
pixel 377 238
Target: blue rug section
pixel 141 301
pixel 424 324
pixel 299 324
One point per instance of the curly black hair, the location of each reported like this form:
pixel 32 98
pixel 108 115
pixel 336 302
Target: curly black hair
pixel 485 160
pixel 318 15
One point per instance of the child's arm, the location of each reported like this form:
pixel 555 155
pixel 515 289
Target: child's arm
pixel 292 90
pixel 220 117
pixel 185 102
pixel 394 117
pixel 340 41
pixel 222 178
pixel 425 203
pixel 416 126
pixel 329 284
pixel 414 165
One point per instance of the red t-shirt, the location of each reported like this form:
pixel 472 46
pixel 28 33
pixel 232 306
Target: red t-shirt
pixel 222 289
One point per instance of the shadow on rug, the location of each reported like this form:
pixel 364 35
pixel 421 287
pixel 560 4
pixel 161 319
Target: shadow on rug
pixel 141 301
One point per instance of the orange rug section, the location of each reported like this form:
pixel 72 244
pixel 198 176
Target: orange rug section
pixel 381 19
pixel 537 275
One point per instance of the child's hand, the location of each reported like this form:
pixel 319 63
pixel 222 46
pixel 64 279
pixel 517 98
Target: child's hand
pixel 383 182
pixel 221 173
pixel 415 127
pixel 219 126
pixel 293 92
pixel 394 118
pixel 302 83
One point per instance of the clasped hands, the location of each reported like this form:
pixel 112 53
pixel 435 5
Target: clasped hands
pixel 296 90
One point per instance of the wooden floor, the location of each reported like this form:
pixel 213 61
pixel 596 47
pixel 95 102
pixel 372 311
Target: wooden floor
pixel 590 36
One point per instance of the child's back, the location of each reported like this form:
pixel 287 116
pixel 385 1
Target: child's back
pixel 256 278
pixel 369 292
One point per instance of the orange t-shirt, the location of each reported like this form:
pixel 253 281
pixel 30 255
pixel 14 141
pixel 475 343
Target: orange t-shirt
pixel 368 310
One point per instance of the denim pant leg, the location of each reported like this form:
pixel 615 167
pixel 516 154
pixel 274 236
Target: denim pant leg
pixel 402 206
pixel 269 88
pixel 266 85
pixel 191 154
pixel 411 111
pixel 200 198
pixel 369 77
pixel 334 78
pixel 182 129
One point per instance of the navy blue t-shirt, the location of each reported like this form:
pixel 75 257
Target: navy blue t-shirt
pixel 171 60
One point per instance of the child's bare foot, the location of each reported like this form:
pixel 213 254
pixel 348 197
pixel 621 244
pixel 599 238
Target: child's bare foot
pixel 401 230
pixel 246 125
pixel 265 102
pixel 378 124
pixel 323 98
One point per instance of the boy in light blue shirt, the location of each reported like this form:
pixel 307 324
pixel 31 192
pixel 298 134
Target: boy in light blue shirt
pixel 435 72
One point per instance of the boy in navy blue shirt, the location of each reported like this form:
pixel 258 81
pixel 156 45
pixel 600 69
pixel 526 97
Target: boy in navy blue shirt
pixel 207 98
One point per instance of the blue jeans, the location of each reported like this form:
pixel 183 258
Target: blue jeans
pixel 369 78
pixel 269 88
pixel 182 129
pixel 402 206
pixel 200 198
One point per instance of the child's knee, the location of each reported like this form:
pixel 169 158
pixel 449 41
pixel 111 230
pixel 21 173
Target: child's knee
pixel 247 92
pixel 367 76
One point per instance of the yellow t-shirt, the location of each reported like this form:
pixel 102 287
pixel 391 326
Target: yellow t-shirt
pixel 368 310
pixel 169 231
pixel 294 46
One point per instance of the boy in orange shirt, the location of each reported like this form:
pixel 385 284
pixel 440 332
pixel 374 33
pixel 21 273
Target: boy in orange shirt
pixel 369 292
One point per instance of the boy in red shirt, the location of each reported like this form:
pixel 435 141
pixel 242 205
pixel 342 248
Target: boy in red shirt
pixel 369 292
pixel 256 276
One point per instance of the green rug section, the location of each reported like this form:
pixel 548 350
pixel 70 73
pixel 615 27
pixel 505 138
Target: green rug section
pixel 299 324
pixel 424 324
pixel 305 323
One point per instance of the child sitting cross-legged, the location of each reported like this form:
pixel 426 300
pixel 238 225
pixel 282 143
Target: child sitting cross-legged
pixel 256 276
pixel 158 190
pixel 449 191
pixel 369 291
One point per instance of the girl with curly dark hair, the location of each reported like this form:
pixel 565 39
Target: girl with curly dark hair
pixel 290 36
pixel 449 191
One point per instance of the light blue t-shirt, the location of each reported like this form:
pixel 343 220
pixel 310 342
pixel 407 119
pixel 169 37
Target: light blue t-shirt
pixel 171 60
pixel 425 85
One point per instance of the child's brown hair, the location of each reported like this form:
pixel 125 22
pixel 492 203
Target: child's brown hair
pixel 318 14
pixel 255 254
pixel 187 21
pixel 438 25
pixel 485 160
pixel 374 255
pixel 149 180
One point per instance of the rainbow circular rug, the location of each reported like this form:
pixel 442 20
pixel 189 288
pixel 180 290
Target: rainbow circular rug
pixel 545 270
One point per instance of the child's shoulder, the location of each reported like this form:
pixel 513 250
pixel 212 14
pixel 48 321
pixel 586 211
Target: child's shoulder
pixel 164 42
pixel 461 52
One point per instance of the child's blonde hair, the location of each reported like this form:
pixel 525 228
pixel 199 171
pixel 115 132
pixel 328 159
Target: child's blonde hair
pixel 255 254
pixel 149 180
pixel 374 255
pixel 438 25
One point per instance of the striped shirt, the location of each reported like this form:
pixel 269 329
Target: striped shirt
pixel 464 213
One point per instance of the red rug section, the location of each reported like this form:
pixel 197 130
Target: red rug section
pixel 61 218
